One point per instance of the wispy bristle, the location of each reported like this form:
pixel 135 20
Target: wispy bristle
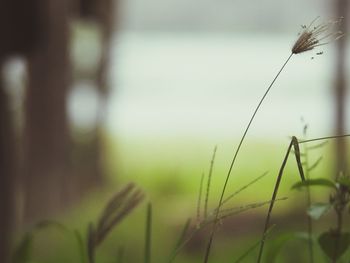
pixel 315 36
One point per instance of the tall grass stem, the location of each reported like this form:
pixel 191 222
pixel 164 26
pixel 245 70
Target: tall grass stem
pixel 207 252
pixel 308 200
pixel 148 234
pixel 209 182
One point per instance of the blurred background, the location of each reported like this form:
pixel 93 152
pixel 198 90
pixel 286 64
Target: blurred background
pixel 97 93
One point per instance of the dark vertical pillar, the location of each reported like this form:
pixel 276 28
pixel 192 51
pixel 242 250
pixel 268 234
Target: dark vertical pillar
pixel 46 137
pixel 340 87
pixel 7 174
pixel 18 21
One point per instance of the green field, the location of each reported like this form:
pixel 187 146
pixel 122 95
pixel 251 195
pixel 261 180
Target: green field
pixel 169 172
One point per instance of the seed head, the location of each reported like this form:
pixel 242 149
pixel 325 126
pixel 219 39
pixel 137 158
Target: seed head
pixel 316 35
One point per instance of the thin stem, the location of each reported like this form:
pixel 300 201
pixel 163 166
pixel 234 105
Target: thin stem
pixel 148 234
pixel 209 183
pixel 325 138
pixel 242 188
pixel 310 228
pixel 179 243
pixel 234 159
pixel 253 246
pixel 308 198
pixel 274 195
pixel 199 200
pixel 120 255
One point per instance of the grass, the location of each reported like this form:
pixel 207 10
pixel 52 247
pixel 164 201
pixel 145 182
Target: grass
pixel 174 197
pixel 176 172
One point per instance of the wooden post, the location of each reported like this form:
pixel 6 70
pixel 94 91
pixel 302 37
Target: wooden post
pixel 46 136
pixel 7 174
pixel 340 87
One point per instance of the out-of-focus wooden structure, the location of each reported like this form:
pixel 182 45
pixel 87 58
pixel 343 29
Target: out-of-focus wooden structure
pixel 39 163
pixel 341 86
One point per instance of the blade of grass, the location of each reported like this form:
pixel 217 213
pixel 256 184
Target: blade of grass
pixel 180 239
pixel 243 188
pixel 113 219
pixel 91 243
pixel 308 196
pixel 237 210
pixel 255 245
pixel 120 256
pixel 199 200
pixel 81 247
pixel 274 195
pixel 209 182
pixel 295 145
pixel 297 157
pixel 148 234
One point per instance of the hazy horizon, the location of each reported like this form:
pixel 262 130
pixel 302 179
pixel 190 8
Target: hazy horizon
pixel 224 15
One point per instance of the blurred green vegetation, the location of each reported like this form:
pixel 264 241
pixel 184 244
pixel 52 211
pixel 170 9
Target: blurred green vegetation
pixel 169 171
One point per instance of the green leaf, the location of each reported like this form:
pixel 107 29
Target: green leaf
pixel 314 182
pixel 333 244
pixel 317 210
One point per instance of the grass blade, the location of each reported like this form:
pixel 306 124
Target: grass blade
pixel 120 256
pixel 199 200
pixel 180 240
pixel 148 234
pixel 237 210
pixel 297 157
pixel 81 246
pixel 209 182
pixel 274 195
pixel 243 188
pixel 255 245
pixel 315 164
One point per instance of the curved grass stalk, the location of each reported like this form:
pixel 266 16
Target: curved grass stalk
pixel 209 182
pixel 148 234
pixel 199 200
pixel 293 144
pixel 216 220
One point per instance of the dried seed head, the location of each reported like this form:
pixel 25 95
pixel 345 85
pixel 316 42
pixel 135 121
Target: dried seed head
pixel 316 35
